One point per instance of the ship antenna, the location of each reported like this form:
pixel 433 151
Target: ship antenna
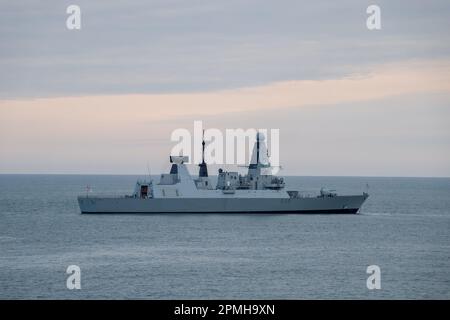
pixel 203 146
pixel 149 171
pixel 203 171
pixel 257 148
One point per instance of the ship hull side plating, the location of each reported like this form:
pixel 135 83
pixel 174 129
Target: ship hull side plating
pixel 337 204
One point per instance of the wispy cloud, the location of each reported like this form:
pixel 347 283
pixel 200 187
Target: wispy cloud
pixel 361 118
pixel 388 80
pixel 162 46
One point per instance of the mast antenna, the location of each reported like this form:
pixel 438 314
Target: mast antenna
pixel 203 171
pixel 203 146
pixel 257 148
pixel 149 171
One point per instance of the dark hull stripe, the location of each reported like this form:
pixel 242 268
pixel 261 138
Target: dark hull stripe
pixel 332 211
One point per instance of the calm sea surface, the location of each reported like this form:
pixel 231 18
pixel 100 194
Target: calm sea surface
pixel 404 228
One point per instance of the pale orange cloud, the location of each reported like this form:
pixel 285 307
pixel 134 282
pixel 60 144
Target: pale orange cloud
pixel 388 80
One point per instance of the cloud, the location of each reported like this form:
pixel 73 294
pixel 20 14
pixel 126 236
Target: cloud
pixel 165 46
pixel 138 69
pixel 384 81
pixel 120 133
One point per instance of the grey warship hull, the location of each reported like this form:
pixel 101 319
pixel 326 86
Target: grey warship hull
pixel 322 205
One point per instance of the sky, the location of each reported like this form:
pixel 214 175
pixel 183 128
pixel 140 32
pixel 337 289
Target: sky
pixel 104 99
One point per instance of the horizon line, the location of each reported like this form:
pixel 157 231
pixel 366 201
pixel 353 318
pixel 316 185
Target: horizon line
pixel 214 175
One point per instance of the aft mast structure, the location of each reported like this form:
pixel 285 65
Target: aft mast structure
pixel 255 178
pixel 255 166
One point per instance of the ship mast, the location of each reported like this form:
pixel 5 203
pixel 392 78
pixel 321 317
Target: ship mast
pixel 257 148
pixel 254 169
pixel 203 171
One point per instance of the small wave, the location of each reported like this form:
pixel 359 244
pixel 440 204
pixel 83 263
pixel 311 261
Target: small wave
pixel 7 238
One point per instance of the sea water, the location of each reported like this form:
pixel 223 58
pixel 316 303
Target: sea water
pixel 404 228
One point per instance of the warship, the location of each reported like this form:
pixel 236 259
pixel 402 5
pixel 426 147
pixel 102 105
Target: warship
pixel 258 191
